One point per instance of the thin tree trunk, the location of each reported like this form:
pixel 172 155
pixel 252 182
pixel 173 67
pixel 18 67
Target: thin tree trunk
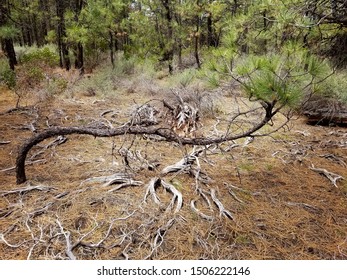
pixel 168 54
pixel 111 46
pixel 7 43
pixel 61 34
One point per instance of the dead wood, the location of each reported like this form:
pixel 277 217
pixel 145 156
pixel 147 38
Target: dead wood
pixel 142 129
pixel 26 163
pixel 202 215
pixel 159 237
pixel 27 189
pixel 152 185
pixel 222 210
pixel 331 176
pixel 184 163
pixel 151 190
pixel 124 179
pixel 177 195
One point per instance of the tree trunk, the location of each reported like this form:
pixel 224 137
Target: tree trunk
pixel 79 51
pixel 210 39
pixel 61 35
pixel 7 43
pixel 79 58
pixel 111 46
pixel 168 54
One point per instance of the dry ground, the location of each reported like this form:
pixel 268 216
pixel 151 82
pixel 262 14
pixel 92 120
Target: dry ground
pixel 281 208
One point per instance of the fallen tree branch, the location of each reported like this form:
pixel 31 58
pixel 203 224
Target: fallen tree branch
pixel 168 134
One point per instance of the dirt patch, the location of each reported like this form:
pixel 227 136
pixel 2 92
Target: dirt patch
pixel 281 208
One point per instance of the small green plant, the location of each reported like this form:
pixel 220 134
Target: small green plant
pixel 186 77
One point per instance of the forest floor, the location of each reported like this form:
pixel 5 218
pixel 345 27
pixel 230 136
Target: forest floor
pixel 281 208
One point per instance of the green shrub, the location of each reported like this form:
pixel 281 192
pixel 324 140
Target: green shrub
pixel 57 86
pixel 43 55
pixel 7 75
pixel 35 74
pixel 334 86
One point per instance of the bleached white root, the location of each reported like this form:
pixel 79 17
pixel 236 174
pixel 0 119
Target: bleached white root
pixel 184 163
pixel 69 246
pixel 123 179
pixel 2 239
pixel 159 237
pixel 151 190
pixel 330 175
pixel 124 185
pixel 177 195
pixel 197 211
pixel 152 185
pixel 28 162
pixel 27 189
pixel 222 210
pixel 232 193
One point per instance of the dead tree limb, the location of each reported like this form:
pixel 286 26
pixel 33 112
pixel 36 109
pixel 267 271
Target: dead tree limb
pixel 143 129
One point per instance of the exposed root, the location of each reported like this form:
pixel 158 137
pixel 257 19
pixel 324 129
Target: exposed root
pixel 335 159
pixel 184 163
pixel 124 179
pixel 28 162
pixel 177 195
pixel 27 189
pixel 202 215
pixel 222 210
pixel 152 185
pixel 159 237
pixel 331 176
pixel 69 246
